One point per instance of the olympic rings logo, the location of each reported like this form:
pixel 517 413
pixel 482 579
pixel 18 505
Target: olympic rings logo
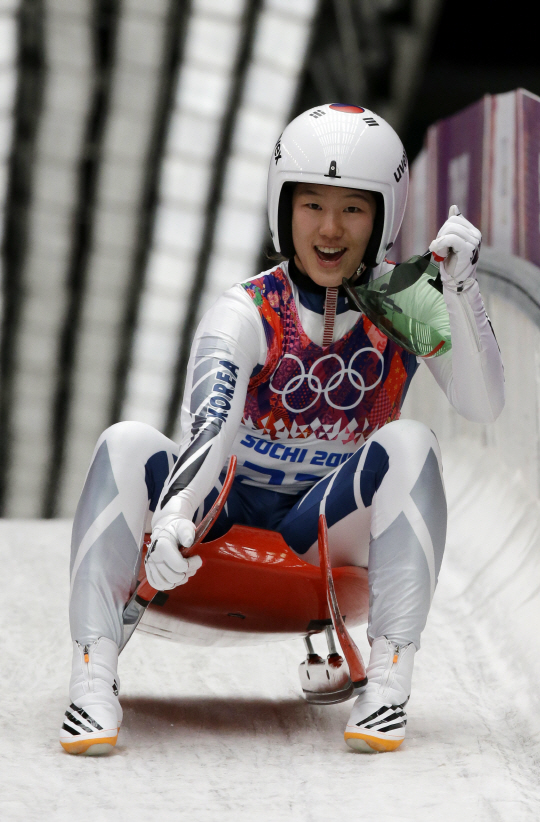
pixel 355 379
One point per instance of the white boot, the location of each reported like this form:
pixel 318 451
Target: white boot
pixel 378 719
pixel 92 721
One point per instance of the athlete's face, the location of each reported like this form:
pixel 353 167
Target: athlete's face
pixel 331 228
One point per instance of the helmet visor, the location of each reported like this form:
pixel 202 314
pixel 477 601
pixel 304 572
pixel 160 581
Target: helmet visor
pixel 407 305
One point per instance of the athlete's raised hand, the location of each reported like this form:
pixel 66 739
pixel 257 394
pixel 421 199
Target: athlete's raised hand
pixel 165 566
pixel 456 247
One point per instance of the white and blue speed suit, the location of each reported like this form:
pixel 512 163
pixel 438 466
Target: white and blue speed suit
pixel 307 394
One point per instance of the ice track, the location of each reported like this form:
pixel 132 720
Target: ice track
pixel 225 735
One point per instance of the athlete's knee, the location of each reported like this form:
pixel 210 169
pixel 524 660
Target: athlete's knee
pixel 407 436
pixel 125 434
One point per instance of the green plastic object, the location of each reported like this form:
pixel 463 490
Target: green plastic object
pixel 407 305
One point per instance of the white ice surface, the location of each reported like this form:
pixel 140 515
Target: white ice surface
pixel 223 734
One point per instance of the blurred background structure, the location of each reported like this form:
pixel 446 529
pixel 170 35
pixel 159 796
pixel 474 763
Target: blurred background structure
pixel 135 137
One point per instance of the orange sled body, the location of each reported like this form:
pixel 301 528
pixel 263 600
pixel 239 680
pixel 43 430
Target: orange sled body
pixel 251 589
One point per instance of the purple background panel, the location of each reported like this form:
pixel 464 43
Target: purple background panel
pixel 530 178
pixel 461 134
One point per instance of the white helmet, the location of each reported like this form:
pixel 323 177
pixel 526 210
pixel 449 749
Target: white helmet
pixel 340 145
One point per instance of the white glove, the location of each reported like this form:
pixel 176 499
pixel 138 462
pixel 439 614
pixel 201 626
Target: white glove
pixel 165 566
pixel 457 248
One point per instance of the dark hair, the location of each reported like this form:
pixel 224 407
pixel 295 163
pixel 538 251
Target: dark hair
pixel 276 256
pixel 285 226
pixel 285 220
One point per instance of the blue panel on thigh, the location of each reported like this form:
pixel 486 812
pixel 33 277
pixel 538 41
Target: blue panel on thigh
pixel 156 472
pixel 340 500
pixel 373 472
pixel 299 528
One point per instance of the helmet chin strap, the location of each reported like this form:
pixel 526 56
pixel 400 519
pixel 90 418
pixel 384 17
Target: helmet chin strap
pixel 358 273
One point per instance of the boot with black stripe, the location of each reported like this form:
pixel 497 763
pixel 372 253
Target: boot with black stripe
pixel 378 719
pixel 92 721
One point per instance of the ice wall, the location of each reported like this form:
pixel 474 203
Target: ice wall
pixel 494 491
pixel 485 159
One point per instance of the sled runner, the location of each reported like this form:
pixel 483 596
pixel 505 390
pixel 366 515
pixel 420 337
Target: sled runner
pixel 252 588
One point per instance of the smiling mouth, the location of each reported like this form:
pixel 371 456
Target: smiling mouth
pixel 329 254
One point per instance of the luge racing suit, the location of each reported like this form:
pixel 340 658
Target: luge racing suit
pixel 315 429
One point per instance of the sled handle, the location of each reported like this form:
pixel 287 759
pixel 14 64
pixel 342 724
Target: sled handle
pixel 348 646
pixel 205 525
pixel 145 593
pixel 144 590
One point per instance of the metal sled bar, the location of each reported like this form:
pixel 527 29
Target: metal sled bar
pixel 145 593
pixel 348 646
